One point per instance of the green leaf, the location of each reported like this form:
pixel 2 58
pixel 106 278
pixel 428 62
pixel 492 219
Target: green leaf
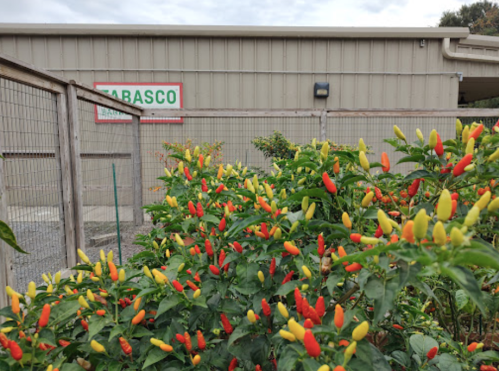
pixel 310 364
pixel 448 362
pixel 419 174
pixel 96 324
pixel 466 280
pixel 332 281
pixel 359 178
pixel 72 367
pixel 312 193
pixel 64 311
pixel 489 355
pixel 245 223
pixel 239 332
pixel 421 344
pixel 117 330
pixel 154 356
pixel 287 288
pixel 210 219
pixel 383 293
pixel 414 158
pixel 482 256
pixel 461 299
pixel 8 236
pixel 166 304
pixel 401 358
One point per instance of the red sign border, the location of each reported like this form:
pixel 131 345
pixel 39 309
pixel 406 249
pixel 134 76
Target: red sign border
pixel 148 121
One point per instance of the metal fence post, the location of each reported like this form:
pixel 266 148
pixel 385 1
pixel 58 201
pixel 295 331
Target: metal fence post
pixel 74 140
pixel 323 122
pixel 138 214
pixel 66 180
pixel 6 268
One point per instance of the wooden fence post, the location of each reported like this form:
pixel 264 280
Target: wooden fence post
pixel 323 122
pixel 66 180
pixel 6 268
pixel 138 214
pixel 74 141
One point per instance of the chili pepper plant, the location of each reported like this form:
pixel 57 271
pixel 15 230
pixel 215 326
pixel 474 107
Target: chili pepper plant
pixel 329 262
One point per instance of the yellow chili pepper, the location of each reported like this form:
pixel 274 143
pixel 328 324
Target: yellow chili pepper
pixel 439 234
pixel 444 209
pixel 147 272
pixel 90 295
pixel 98 269
pixel 384 222
pixel 83 302
pixel 367 199
pixel 32 290
pixel 420 224
pixel 251 316
pixel 261 276
pixel 472 216
pixel 306 272
pixel 456 237
pixel 398 132
pixel 419 134
pixel 57 278
pixel 99 348
pixel 459 127
pixel 466 134
pixel 494 205
pixel 196 294
pixel 310 212
pixel 364 162
pixel 470 147
pixel 360 331
pixel 432 143
pixel 362 146
pixel 83 257
pixel 297 329
pixel 282 310
pixel 483 201
pixel 346 220
pixel 288 335
pixel 156 342
pixel 179 240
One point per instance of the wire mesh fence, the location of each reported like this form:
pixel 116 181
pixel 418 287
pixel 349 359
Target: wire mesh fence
pixel 106 147
pixel 30 144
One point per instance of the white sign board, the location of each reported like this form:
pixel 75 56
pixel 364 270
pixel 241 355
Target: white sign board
pixel 145 94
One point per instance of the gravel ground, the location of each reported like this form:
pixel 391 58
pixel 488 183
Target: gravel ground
pixel 43 241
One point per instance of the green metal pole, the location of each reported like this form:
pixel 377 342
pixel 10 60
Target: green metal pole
pixel 117 213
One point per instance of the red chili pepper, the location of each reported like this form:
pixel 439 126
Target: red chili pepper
pixel 432 353
pixel 200 212
pixel 272 268
pixel 44 317
pixel 379 232
pixel 265 308
pixel 320 307
pixel 222 224
pixel 288 277
pixel 472 346
pixel 201 341
pixel 311 345
pixel 397 327
pixel 413 188
pixel 238 247
pixel 258 368
pixel 125 346
pixel 101 312
pixel 385 162
pixel 122 303
pixel 64 343
pixel 201 160
pixel 180 338
pixel 192 285
pixel 476 133
pixel 454 196
pixel 226 324
pixel 15 350
pixel 84 324
pixel 128 301
pixel 378 193
pixel 178 286
pixel 221 258
pixel 439 148
pixel 320 248
pixel 330 186
pixel 204 187
pixel 214 270
pixel 355 237
pixel 298 300
pixel 192 208
pixel 220 188
pixel 188 343
pixel 196 277
pixel 312 314
pixel 305 308
pixel 209 249
pixel 233 364
pixel 465 161
pixel 265 231
pixel 4 341
pixel 354 267
pixel 308 323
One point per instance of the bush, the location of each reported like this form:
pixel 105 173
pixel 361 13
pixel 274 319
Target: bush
pixel 324 264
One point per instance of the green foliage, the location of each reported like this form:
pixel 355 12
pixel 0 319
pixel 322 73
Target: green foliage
pixel 415 293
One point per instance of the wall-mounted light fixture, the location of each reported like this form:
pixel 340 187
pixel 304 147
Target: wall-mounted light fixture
pixel 321 89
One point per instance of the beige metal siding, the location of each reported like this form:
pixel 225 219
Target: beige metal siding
pixel 145 59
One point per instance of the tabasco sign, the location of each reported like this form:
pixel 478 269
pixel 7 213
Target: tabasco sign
pixel 145 94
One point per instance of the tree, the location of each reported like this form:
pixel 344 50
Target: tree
pixel 481 18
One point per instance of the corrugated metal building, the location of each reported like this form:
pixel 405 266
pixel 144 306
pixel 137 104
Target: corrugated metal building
pixel 267 68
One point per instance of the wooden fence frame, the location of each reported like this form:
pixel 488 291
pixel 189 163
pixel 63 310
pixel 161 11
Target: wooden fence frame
pixel 68 92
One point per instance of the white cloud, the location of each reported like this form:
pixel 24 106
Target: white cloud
pixel 356 13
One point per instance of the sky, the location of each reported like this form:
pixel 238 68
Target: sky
pixel 346 13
